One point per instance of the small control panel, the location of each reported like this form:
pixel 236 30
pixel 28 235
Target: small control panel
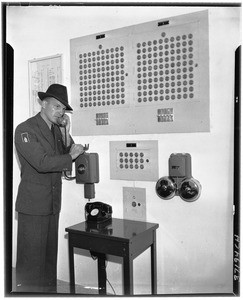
pixel 134 160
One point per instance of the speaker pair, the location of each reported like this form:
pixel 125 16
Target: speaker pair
pixel 179 182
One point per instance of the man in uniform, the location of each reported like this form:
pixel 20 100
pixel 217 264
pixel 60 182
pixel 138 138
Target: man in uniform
pixel 44 150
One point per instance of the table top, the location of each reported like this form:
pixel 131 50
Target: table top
pixel 113 229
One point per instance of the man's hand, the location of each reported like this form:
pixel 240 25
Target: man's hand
pixel 76 150
pixel 65 130
pixel 68 123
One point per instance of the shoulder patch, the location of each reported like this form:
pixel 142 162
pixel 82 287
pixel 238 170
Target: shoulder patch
pixel 25 137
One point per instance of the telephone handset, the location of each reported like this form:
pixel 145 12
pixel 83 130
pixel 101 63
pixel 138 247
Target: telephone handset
pixel 62 121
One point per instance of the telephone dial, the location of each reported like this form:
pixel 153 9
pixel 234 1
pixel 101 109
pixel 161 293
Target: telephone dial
pixel 97 212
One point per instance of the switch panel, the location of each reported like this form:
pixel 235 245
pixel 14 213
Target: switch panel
pixel 134 160
pixel 134 204
pixel 147 78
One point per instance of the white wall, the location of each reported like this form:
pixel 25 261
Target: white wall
pixel 194 240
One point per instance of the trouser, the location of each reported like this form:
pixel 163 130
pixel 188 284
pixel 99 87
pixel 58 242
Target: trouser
pixel 37 242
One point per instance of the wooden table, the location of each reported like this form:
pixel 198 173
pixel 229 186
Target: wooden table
pixel 124 238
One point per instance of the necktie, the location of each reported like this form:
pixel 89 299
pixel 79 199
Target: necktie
pixel 53 131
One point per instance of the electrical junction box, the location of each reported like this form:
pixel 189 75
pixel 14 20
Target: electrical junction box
pixel 146 78
pixel 180 165
pixel 134 160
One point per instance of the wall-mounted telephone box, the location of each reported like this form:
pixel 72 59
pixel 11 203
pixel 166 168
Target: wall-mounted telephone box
pixel 134 160
pixel 147 78
pixel 87 168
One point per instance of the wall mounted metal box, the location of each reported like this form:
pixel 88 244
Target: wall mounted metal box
pixel 87 168
pixel 147 78
pixel 134 160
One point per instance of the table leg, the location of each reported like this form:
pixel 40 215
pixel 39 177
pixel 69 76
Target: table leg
pixel 101 274
pixel 71 266
pixel 153 265
pixel 128 275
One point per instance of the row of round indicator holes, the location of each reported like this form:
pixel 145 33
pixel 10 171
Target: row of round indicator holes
pixel 101 52
pixel 161 82
pixel 103 103
pixel 106 72
pixel 158 62
pixel 126 166
pixel 167 78
pixel 131 154
pixel 162 98
pixel 165 53
pixel 104 98
pixel 103 74
pixel 102 61
pixel 136 160
pixel 144 97
pixel 160 86
pixel 108 85
pixel 100 67
pixel 100 94
pixel 166 40
pixel 99 97
pixel 184 67
pixel 87 85
pixel 119 99
pixel 142 53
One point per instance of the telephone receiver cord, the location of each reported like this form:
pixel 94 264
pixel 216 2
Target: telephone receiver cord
pixel 65 142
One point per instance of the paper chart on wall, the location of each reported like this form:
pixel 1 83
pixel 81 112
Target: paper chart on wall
pixel 42 73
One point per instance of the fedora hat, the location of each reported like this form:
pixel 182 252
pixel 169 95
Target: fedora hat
pixel 58 92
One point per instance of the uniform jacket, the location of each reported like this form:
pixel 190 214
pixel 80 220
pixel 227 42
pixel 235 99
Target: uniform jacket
pixel 42 158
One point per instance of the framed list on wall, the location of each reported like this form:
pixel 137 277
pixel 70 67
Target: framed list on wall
pixel 42 73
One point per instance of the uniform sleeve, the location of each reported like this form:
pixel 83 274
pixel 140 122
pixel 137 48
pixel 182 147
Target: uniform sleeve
pixel 30 148
pixel 67 149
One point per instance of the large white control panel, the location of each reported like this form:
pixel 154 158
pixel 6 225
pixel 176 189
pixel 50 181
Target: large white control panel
pixel 147 78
